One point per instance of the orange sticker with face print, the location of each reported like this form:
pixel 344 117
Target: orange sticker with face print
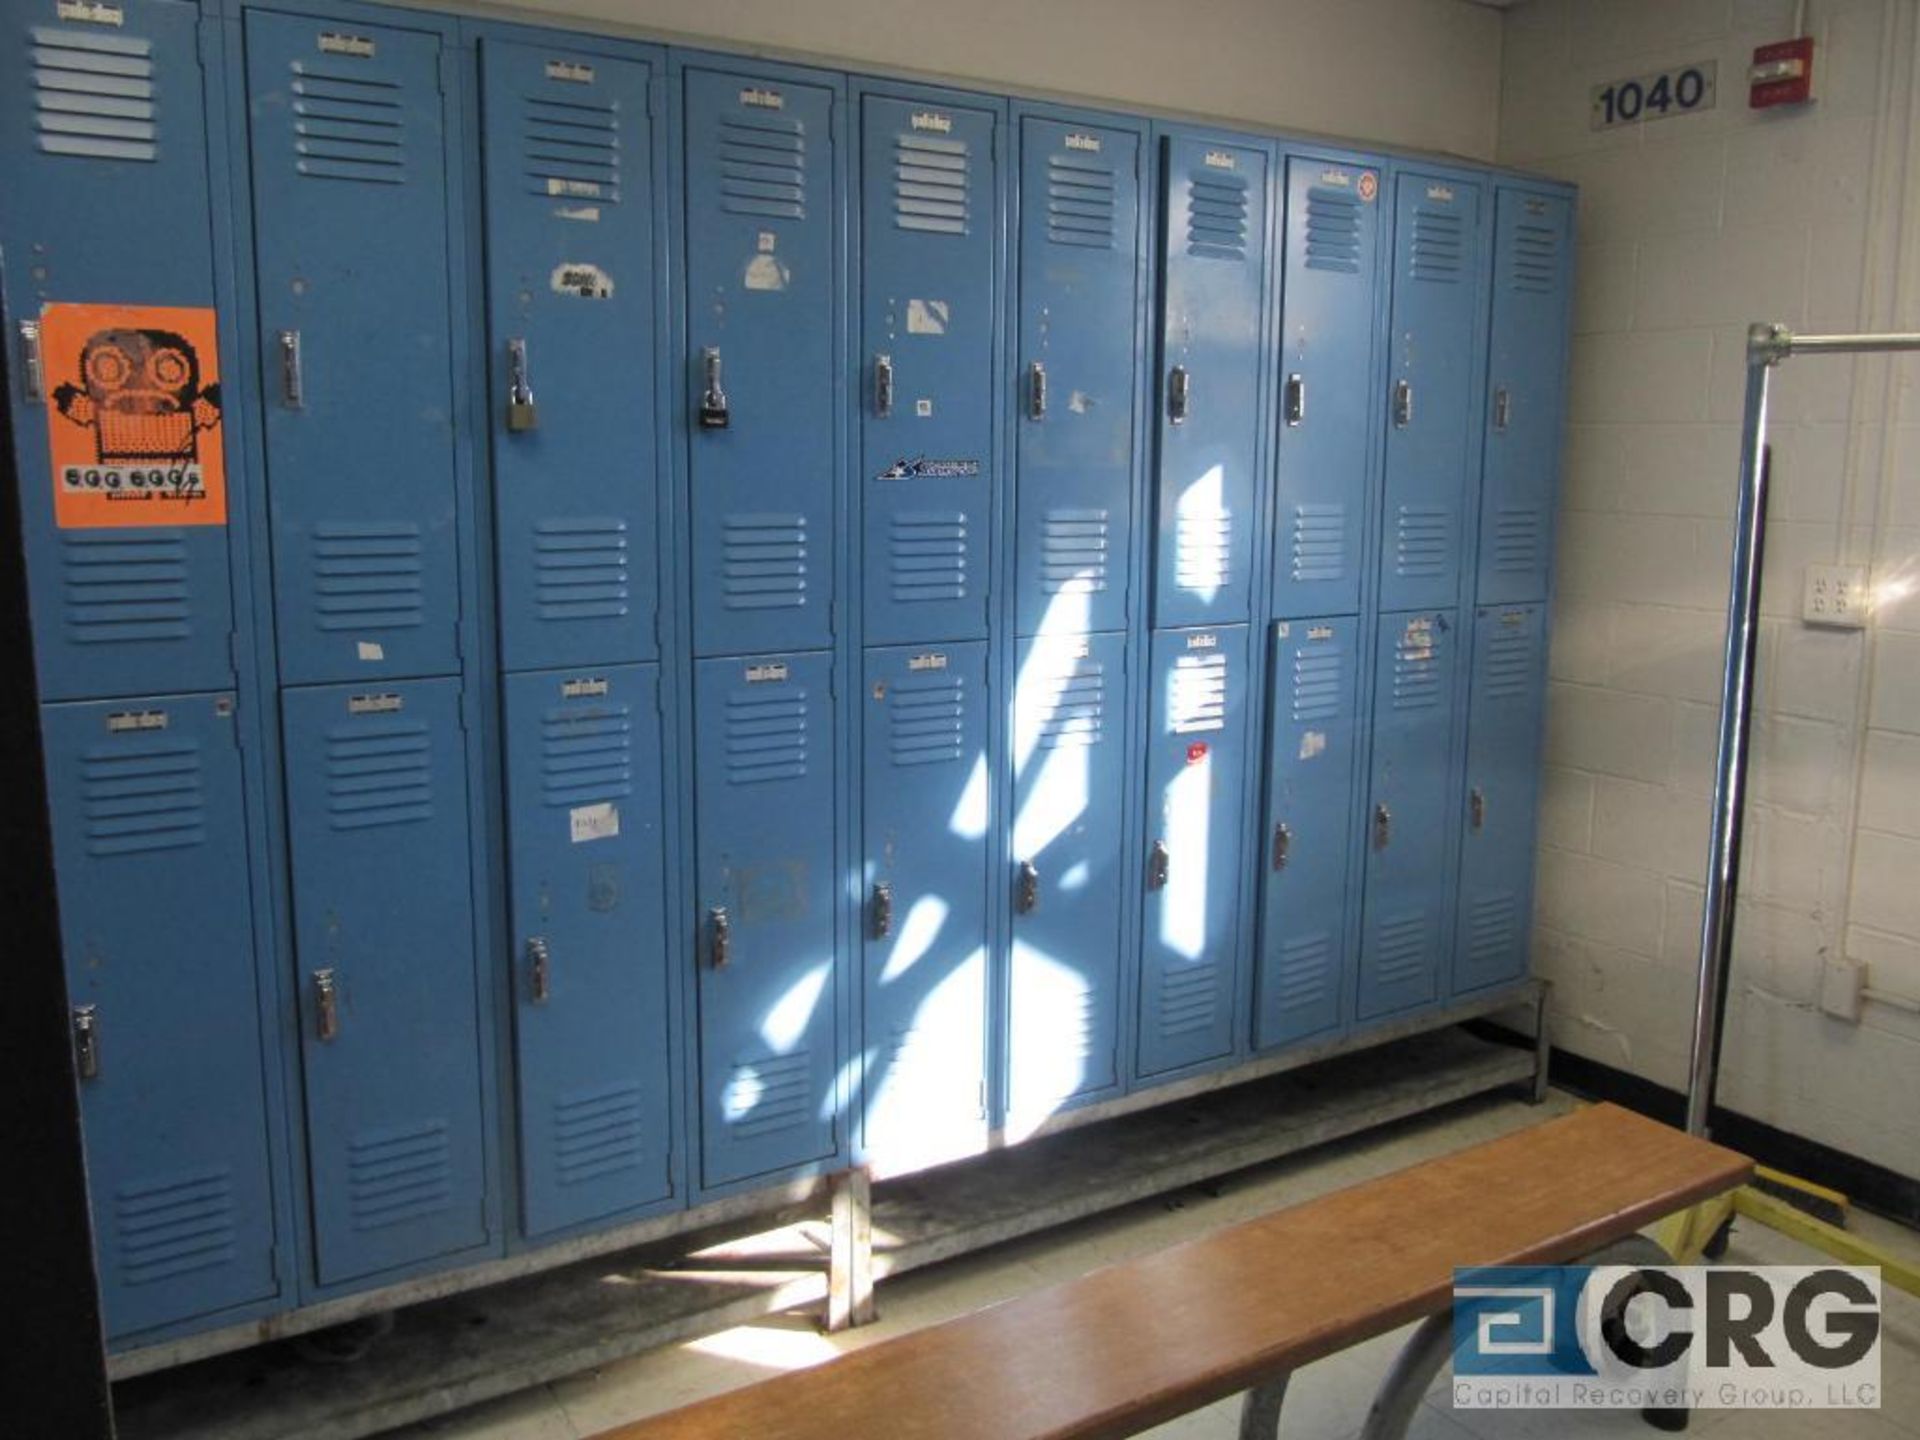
pixel 133 415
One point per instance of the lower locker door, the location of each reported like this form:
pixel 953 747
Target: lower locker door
pixel 384 952
pixel 589 938
pixel 1196 783
pixel 1070 780
pixel 924 925
pixel 1305 947
pixel 150 837
pixel 764 820
pixel 1505 710
pixel 1405 935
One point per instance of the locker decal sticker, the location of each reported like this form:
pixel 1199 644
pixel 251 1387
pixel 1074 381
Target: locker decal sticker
pixel 133 430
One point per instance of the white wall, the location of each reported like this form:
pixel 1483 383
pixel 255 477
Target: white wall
pixel 1408 72
pixel 1690 228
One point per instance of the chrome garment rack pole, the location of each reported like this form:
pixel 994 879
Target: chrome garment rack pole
pixel 1767 346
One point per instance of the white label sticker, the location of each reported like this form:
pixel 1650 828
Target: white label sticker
pixel 1312 742
pixel 572 71
pixel 574 189
pixel 762 674
pixel 1078 141
pixel 1220 160
pixel 370 650
pixel 922 408
pixel 582 688
pixel 374 704
pixel 588 213
pixel 578 277
pixel 932 660
pixel 934 121
pixel 1203 642
pixel 594 822
pixel 121 721
pixel 332 42
pixel 927 317
pixel 90 12
pixel 1319 632
pixel 764 99
pixel 1442 193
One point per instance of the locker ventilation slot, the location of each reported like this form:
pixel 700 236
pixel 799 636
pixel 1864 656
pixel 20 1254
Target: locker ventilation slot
pixel 1203 547
pixel 174 1225
pixel 928 559
pixel 770 1095
pixel 150 799
pixel 1491 928
pixel 93 95
pixel 1416 671
pixel 586 755
pixel 1319 542
pixel 1333 231
pixel 580 569
pixel 397 1175
pixel 368 577
pixel 1302 971
pixel 1080 204
pixel 767 737
pixel 930 184
pixel 1197 694
pixel 573 149
pixel 1073 708
pixel 763 562
pixel 120 589
pixel 379 774
pixel 1509 665
pixel 597 1132
pixel 1536 259
pixel 1074 552
pixel 1439 246
pixel 347 127
pixel 924 721
pixel 1423 542
pixel 1217 217
pixel 1189 999
pixel 763 166
pixel 1400 948
pixel 1319 687
pixel 1518 533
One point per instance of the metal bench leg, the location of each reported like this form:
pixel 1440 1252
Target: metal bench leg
pixel 850 1262
pixel 1260 1411
pixel 1542 1045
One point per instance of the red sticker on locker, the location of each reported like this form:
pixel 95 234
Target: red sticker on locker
pixel 1196 752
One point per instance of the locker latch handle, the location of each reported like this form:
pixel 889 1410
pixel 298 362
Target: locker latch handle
pixel 714 411
pixel 522 414
pixel 883 385
pixel 86 1041
pixel 1402 404
pixel 1282 843
pixel 882 911
pixel 1036 391
pixel 1296 399
pixel 33 375
pixel 1502 408
pixel 1159 862
pixel 292 379
pixel 1382 827
pixel 1026 892
pixel 1179 395
pixel 539 970
pixel 719 937
pixel 326 1001
pixel 1476 808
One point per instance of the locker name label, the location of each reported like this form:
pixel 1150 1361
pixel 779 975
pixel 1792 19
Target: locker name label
pixel 921 468
pixel 571 71
pixel 1319 632
pixel 762 674
pixel 384 704
pixel 1203 642
pixel 593 822
pixel 121 721
pixel 928 661
pixel 333 42
pixel 1221 160
pixel 90 12
pixel 764 99
pixel 581 689
pixel 574 189
pixel 1084 142
pixel 932 120
pixel 1442 193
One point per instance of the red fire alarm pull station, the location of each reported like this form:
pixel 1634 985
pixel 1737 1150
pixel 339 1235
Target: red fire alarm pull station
pixel 1782 74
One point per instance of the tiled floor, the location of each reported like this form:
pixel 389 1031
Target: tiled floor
pixel 1326 1401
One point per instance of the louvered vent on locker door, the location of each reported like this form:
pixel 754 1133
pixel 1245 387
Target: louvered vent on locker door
pixel 1189 999
pixel 1400 946
pixel 347 125
pixel 1439 248
pixel 580 568
pixel 368 576
pixel 763 561
pixel 93 95
pixel 168 1225
pixel 1202 547
pixel 1508 666
pixel 766 736
pixel 1080 203
pixel 1074 554
pixel 1318 542
pixel 1303 971
pixel 1536 258
pixel 598 1132
pixel 1217 216
pixel 925 719
pixel 763 166
pixel 379 773
pixel 572 148
pixel 146 796
pixel 1519 539
pixel 1073 707
pixel 124 586
pixel 927 556
pixel 1197 694
pixel 930 184
pixel 1417 661
pixel 398 1173
pixel 1319 682
pixel 1492 921
pixel 586 754
pixel 1333 230
pixel 765 1096
pixel 1422 541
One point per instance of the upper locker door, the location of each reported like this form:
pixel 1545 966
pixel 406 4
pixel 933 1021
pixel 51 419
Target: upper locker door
pixel 589 935
pixel 1326 385
pixel 1213 266
pixel 572 344
pixel 1196 782
pixel 350 244
pixel 925 924
pixel 1505 718
pixel 1079 357
pixel 103 148
pixel 1526 374
pixel 1436 301
pixel 762 308
pixel 929 210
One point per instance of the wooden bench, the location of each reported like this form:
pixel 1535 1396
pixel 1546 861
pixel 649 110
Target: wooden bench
pixel 1138 1343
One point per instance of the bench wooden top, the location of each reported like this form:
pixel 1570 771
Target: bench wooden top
pixel 1137 1343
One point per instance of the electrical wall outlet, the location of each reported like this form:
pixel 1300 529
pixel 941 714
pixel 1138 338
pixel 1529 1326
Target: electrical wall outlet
pixel 1835 595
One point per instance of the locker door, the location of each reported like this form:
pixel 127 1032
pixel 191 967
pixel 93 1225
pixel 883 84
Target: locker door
pixel 1196 778
pixel 589 924
pixel 1409 819
pixel 1213 267
pixel 150 836
pixel 350 242
pixel 383 942
pixel 570 276
pixel 1326 385
pixel 1526 370
pixel 1070 776
pixel 928 308
pixel 761 313
pixel 924 927
pixel 1505 719
pixel 103 147
pixel 1079 349
pixel 763 812
pixel 1305 948
pixel 1436 289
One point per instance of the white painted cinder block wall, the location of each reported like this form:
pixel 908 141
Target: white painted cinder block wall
pixel 1690 228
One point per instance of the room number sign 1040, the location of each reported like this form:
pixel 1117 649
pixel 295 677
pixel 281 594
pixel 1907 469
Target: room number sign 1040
pixel 1682 90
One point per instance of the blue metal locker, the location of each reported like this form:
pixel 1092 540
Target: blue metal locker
pixel 929 302
pixel 570 311
pixel 350 242
pixel 591 1013
pixel 767 885
pixel 1506 715
pixel 1212 338
pixel 762 311
pixel 1071 773
pixel 150 836
pixel 103 147
pixel 1436 309
pixel 1404 928
pixel 384 945
pixel 1197 776
pixel 924 925
pixel 1079 357
pixel 1306 950
pixel 1332 278
pixel 1526 379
